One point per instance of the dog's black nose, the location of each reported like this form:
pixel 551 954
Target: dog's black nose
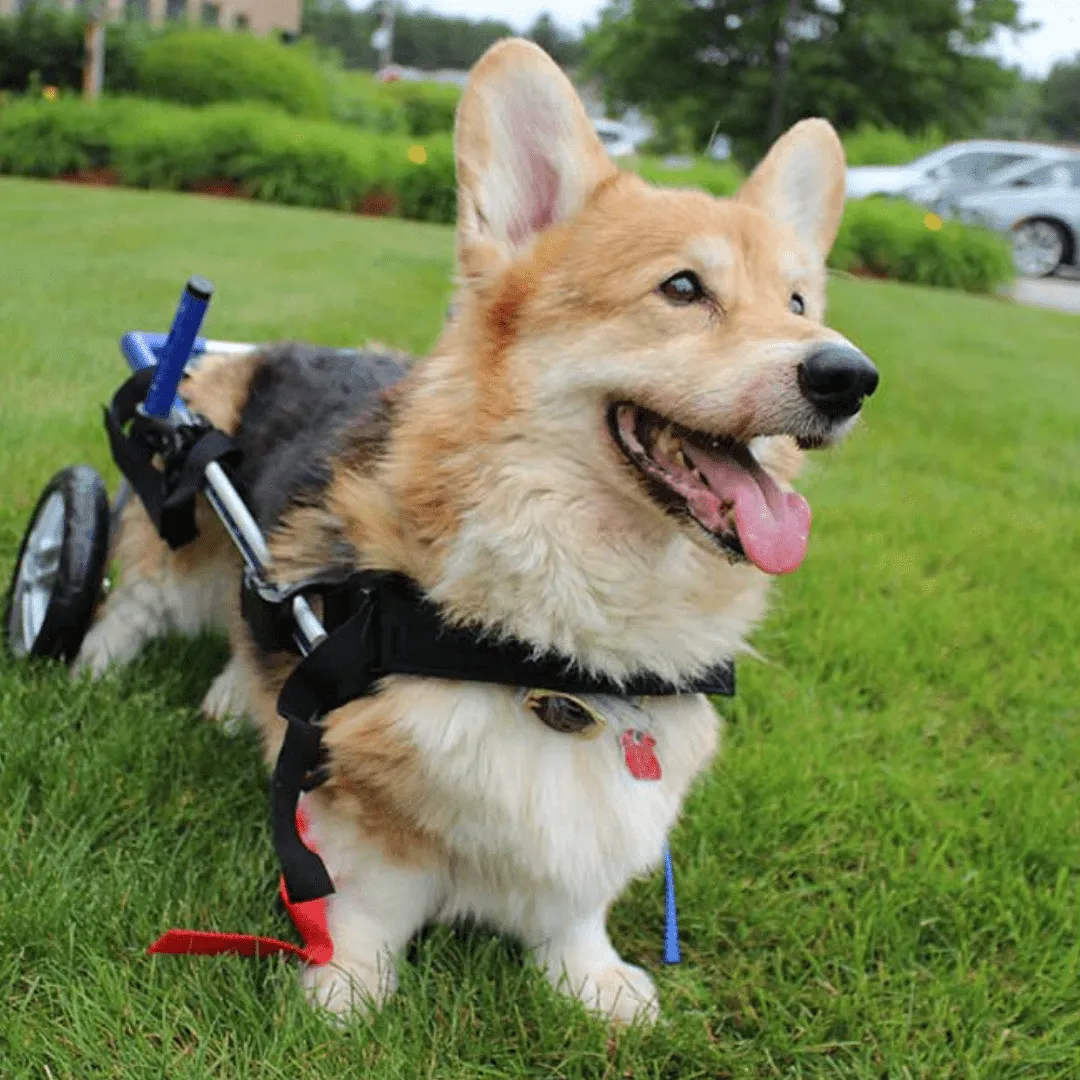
pixel 835 378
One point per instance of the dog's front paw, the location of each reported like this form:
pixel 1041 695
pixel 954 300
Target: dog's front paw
pixel 344 988
pixel 623 993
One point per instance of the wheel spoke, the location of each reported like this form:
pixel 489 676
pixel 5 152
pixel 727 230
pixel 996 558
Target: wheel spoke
pixel 26 619
pixel 39 604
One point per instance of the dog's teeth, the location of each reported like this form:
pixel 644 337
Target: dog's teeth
pixel 667 442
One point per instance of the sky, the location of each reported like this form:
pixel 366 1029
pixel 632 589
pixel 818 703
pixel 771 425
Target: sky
pixel 1035 52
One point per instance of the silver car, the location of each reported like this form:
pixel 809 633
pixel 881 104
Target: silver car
pixel 953 170
pixel 1038 209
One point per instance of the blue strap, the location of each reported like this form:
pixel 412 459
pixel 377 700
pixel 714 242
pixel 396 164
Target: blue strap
pixel 672 954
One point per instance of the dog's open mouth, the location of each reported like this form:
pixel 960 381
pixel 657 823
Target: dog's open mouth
pixel 718 483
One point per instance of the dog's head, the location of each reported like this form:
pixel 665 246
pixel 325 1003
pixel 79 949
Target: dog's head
pixel 643 366
pixel 694 324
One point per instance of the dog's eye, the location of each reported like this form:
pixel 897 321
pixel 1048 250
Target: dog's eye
pixel 797 304
pixel 683 288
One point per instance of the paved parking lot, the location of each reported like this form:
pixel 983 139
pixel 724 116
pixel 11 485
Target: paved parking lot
pixel 1061 292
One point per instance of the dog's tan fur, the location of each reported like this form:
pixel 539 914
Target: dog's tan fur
pixel 500 491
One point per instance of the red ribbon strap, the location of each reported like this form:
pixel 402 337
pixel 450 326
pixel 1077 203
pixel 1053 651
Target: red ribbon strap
pixel 308 917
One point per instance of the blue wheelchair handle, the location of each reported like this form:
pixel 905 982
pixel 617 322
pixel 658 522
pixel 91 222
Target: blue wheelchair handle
pixel 176 351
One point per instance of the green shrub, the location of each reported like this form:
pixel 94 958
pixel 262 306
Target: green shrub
pixel 198 67
pixel 871 145
pixel 892 238
pixel 42 138
pixel 268 154
pixel 300 163
pixel 426 192
pixel 430 107
pixel 419 109
pixel 172 147
pixel 716 177
pixel 357 98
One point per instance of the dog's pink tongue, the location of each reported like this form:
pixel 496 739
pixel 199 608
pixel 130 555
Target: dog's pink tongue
pixel 773 525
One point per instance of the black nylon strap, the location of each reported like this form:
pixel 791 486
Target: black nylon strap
pixel 168 496
pixel 395 630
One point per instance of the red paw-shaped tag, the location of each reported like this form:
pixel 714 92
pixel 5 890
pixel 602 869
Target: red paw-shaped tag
pixel 638 751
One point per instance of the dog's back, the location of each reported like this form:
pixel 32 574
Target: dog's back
pixel 306 404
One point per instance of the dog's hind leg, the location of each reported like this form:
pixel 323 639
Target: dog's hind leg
pixel 160 591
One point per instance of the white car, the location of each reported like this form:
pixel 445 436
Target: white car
pixel 1038 209
pixel 945 173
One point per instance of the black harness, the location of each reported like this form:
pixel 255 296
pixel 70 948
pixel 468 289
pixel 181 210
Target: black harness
pixel 382 624
pixel 378 624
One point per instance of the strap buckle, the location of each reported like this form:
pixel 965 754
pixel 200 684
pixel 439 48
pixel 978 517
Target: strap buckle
pixel 267 607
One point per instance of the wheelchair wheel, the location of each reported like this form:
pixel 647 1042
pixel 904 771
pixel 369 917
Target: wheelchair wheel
pixel 61 565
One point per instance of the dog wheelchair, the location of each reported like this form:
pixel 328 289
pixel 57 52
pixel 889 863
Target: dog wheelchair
pixel 60 571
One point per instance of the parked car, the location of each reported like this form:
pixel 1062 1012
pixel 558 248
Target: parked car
pixel 945 173
pixel 1039 210
pixel 1032 172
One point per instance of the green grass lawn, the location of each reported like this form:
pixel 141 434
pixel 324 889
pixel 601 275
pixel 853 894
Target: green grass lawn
pixel 879 878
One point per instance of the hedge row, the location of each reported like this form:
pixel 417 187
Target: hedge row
pixel 243 149
pixel 265 154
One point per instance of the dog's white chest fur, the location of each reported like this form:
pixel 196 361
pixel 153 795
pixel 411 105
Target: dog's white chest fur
pixel 536 824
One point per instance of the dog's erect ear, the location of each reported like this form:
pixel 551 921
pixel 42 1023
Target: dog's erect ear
pixel 801 183
pixel 527 155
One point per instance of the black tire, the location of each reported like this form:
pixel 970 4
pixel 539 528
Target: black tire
pixel 1050 239
pixel 81 541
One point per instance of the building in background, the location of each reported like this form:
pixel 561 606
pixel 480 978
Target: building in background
pixel 257 16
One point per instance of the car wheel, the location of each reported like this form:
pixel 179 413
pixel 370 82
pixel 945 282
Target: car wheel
pixel 1038 247
pixel 61 565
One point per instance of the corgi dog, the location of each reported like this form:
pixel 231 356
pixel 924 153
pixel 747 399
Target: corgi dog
pixel 596 458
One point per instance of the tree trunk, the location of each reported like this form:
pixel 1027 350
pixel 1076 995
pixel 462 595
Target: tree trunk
pixel 783 69
pixel 94 64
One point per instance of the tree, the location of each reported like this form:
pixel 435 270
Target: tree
pixel 564 48
pixel 422 39
pixel 1062 98
pixel 753 67
pixel 1019 112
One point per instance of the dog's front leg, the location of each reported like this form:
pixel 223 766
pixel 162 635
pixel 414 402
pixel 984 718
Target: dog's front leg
pixel 580 960
pixel 371 916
